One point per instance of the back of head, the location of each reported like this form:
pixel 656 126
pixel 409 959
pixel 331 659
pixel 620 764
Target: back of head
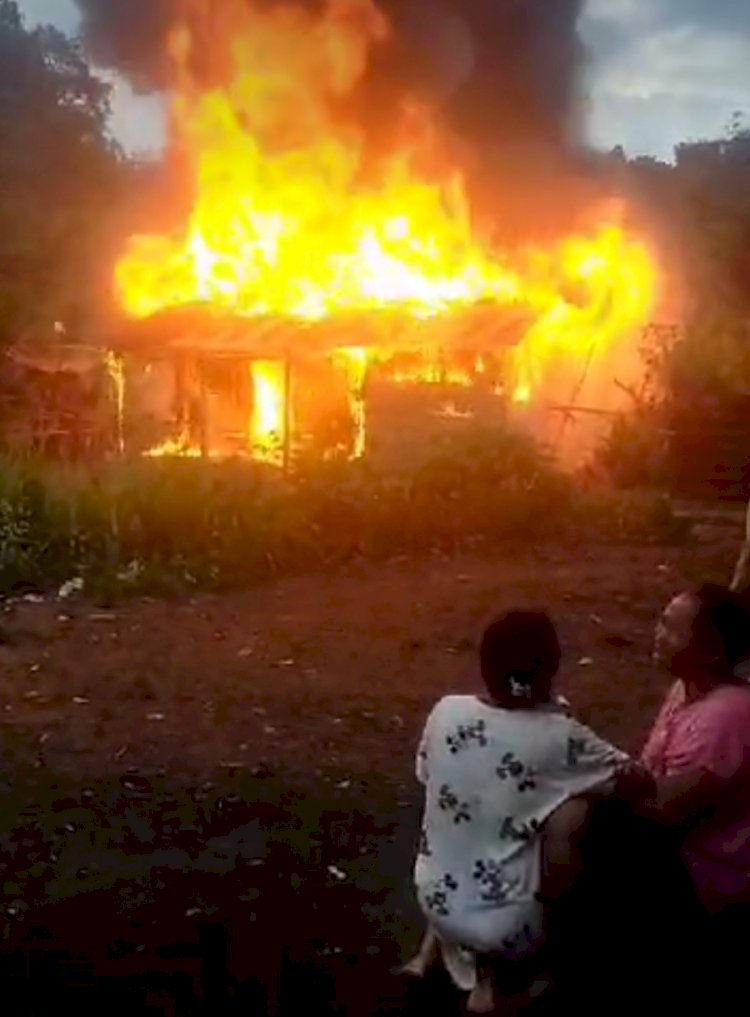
pixel 519 656
pixel 721 628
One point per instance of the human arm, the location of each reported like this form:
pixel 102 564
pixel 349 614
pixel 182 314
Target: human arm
pixel 422 764
pixel 592 764
pixel 634 783
pixel 422 759
pixel 709 760
pixel 602 770
pixel 686 796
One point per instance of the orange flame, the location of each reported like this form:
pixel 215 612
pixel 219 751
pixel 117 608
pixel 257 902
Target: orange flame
pixel 291 218
pixel 285 222
pixel 616 281
pixel 180 447
pixel 269 418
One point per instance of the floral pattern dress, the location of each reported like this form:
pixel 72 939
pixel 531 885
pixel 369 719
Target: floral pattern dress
pixel 492 778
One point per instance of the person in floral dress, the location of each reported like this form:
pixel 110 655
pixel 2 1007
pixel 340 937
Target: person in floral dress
pixel 496 768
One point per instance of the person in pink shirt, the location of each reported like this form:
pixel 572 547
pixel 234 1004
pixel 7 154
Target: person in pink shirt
pixel 699 748
pixel 699 755
pixel 676 919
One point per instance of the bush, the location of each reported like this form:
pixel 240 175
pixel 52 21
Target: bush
pixel 635 453
pixel 173 524
pixel 693 404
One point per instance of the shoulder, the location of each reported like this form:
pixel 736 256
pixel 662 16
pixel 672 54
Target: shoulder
pixel 453 707
pixel 728 706
pixel 568 725
pixel 717 736
pixel 455 703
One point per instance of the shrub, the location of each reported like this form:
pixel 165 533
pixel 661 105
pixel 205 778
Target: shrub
pixel 635 453
pixel 166 525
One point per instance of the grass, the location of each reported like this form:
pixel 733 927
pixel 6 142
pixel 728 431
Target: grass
pixel 166 525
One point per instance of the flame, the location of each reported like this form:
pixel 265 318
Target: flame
pixel 434 370
pixel 616 283
pixel 292 216
pixel 522 393
pixel 269 420
pixel 430 373
pixel 288 220
pixel 180 446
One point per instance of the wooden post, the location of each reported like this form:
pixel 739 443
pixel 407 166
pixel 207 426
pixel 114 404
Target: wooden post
pixel 115 364
pixel 287 445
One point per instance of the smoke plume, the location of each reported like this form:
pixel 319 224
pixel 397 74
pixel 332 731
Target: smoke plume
pixel 129 36
pixel 508 67
pixel 504 75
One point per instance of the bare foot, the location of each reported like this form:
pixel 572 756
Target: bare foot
pixel 426 958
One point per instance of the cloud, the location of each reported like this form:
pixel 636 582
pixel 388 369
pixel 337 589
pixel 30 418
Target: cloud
pixel 685 62
pixel 728 15
pixel 665 72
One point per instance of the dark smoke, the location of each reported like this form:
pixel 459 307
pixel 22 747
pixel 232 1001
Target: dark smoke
pixel 525 55
pixel 129 36
pixel 506 74
pixel 524 79
pixel 518 102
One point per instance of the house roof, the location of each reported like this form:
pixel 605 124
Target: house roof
pixel 203 330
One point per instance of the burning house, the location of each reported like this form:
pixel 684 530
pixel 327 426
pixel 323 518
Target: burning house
pixel 318 258
pixel 266 388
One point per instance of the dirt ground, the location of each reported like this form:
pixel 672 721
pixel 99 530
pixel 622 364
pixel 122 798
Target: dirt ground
pixel 209 803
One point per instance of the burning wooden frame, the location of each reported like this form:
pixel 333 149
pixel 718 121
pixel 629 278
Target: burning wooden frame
pixel 256 387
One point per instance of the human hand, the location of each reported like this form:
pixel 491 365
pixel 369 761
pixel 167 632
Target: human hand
pixel 634 783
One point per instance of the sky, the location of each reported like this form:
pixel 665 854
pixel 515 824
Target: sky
pixel 659 72
pixel 137 121
pixel 665 71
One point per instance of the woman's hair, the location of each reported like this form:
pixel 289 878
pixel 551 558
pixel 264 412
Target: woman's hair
pixel 519 656
pixel 725 615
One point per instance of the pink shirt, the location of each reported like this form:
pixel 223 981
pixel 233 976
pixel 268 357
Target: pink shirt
pixel 712 733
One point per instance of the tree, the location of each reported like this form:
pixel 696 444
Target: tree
pixel 713 179
pixel 59 176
